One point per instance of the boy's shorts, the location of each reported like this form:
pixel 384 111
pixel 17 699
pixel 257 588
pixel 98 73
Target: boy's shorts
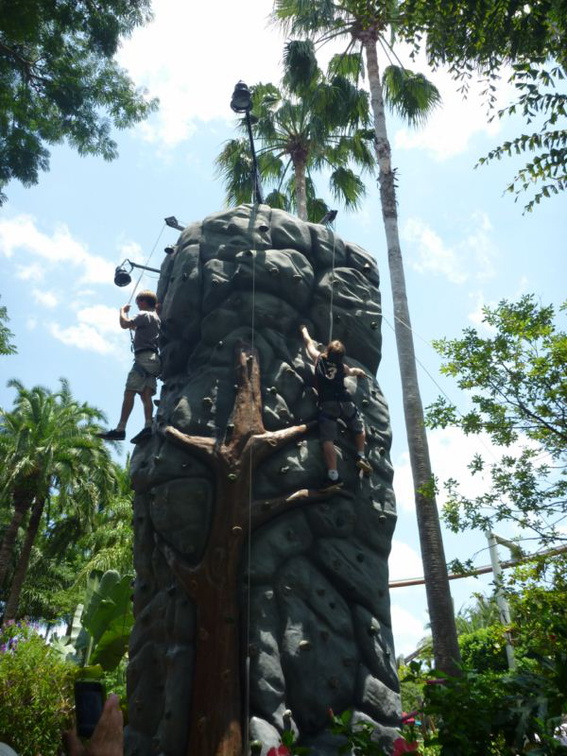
pixel 146 368
pixel 330 412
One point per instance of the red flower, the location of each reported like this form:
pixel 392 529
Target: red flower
pixel 401 745
pixel 279 751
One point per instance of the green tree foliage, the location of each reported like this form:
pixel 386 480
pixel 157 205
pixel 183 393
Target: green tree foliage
pixel 484 649
pixel 313 122
pixel 53 464
pixel 6 347
pixel 101 626
pixel 536 592
pixel 59 80
pixel 490 37
pixel 36 692
pixel 496 714
pixel 516 381
pixel 109 543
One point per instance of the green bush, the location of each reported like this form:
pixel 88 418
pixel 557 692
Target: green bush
pixel 36 692
pixel 484 649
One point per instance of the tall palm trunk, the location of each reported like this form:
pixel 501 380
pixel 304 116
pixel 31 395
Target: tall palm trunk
pixel 23 497
pixel 441 612
pixel 13 602
pixel 300 187
pixel 9 540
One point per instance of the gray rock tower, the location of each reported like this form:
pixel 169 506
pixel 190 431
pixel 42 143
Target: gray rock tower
pixel 260 602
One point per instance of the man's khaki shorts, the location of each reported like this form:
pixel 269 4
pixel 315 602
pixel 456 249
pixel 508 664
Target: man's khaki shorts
pixel 330 412
pixel 146 367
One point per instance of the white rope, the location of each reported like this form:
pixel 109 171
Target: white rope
pixel 138 282
pixel 246 734
pixel 332 287
pixel 146 264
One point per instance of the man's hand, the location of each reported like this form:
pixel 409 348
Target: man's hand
pixel 358 372
pixel 108 737
pixel 126 309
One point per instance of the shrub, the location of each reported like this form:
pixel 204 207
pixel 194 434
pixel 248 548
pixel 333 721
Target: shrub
pixel 36 692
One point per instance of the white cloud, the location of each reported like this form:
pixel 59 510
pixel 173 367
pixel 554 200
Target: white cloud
pixel 101 317
pixel 470 257
pixel 96 330
pixel 450 451
pixel 81 336
pixel 131 250
pixel 194 77
pixel 404 562
pixel 20 234
pixel 451 127
pixel 45 298
pixel 408 629
pixel 192 55
pixel 30 272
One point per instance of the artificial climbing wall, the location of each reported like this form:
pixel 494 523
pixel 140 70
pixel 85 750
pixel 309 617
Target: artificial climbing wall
pixel 260 602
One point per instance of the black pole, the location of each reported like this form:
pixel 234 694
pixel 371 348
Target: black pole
pixel 255 173
pixel 241 102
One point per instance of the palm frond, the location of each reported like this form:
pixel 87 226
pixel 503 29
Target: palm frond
pixel 411 95
pixel 347 187
pixel 301 70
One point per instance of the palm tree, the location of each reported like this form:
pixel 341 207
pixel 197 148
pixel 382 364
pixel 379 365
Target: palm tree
pixel 51 457
pixel 311 123
pixel 366 24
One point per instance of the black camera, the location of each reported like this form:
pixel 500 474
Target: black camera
pixel 89 700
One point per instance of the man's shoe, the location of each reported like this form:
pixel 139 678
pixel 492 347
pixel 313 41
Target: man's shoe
pixel 329 484
pixel 363 464
pixel 113 435
pixel 145 433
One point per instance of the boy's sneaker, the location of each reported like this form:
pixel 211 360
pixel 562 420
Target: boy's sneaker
pixel 144 433
pixel 363 464
pixel 328 483
pixel 113 435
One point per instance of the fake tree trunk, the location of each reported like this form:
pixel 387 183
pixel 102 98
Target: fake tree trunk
pixel 260 601
pixel 441 611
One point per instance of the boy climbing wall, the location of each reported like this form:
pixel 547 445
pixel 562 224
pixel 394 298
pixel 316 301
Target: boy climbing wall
pixel 335 403
pixel 142 377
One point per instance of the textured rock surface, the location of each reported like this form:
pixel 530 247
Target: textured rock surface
pixel 312 582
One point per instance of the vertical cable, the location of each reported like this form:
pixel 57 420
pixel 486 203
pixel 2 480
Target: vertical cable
pixel 138 282
pixel 246 733
pixel 146 263
pixel 332 287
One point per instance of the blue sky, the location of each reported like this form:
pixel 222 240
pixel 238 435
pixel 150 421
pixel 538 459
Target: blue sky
pixel 464 243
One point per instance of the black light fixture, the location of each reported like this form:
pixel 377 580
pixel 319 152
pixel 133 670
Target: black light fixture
pixel 241 102
pixel 172 222
pixel 329 217
pixel 122 275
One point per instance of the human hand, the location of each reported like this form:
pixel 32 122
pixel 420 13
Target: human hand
pixel 126 308
pixel 108 736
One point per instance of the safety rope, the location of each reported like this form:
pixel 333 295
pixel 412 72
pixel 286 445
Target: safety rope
pixel 140 278
pixel 246 733
pixel 332 284
pixel 146 264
